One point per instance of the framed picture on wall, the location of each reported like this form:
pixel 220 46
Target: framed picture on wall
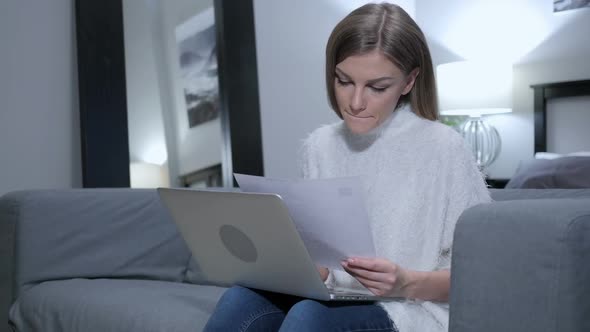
pixel 198 67
pixel 562 5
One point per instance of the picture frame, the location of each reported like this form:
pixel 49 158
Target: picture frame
pixel 197 59
pixel 563 5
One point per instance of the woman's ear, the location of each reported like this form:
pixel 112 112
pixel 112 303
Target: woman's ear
pixel 410 80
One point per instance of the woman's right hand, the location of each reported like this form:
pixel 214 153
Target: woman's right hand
pixel 324 272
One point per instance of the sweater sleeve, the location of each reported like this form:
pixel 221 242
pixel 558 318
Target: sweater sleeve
pixel 466 188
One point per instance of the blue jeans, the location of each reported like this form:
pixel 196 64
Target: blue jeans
pixel 243 309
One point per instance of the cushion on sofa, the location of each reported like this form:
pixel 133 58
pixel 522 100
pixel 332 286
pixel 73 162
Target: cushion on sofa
pixel 520 194
pixel 114 305
pixel 564 173
pixel 100 233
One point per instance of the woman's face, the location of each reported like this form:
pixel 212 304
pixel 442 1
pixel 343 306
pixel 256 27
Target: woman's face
pixel 367 89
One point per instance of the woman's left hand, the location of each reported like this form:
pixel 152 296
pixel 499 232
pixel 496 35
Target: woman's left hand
pixel 380 276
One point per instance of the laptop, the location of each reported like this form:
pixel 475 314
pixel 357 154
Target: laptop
pixel 249 239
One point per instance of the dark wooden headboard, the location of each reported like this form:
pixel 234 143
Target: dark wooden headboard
pixel 548 91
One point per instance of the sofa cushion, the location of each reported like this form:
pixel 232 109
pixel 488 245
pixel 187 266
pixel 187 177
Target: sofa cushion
pixel 93 233
pixel 114 305
pixel 566 172
pixel 520 194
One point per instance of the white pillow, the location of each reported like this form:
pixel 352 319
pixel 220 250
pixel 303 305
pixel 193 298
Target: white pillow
pixel 547 155
pixel 551 155
pixel 579 154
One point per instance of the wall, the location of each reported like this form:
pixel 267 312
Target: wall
pixel 543 46
pixel 39 123
pixel 144 111
pixel 567 125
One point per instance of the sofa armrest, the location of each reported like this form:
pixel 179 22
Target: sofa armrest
pixel 88 233
pixel 522 266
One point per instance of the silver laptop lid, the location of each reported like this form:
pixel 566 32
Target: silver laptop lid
pixel 247 239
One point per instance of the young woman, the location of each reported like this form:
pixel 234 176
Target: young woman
pixel 418 177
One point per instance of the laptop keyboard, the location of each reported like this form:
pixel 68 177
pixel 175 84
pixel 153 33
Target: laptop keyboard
pixel 349 295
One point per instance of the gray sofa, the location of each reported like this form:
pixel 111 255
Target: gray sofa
pixel 111 260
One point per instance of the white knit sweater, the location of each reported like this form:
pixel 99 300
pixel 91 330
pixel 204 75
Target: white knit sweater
pixel 418 178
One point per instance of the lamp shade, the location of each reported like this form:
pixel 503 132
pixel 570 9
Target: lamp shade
pixel 474 88
pixel 146 175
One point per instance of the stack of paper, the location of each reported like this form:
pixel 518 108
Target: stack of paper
pixel 329 214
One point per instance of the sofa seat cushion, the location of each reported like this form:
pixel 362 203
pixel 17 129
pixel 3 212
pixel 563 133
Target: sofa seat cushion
pixel 114 305
pixel 522 194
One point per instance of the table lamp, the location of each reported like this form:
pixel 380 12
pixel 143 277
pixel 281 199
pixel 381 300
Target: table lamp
pixel 475 89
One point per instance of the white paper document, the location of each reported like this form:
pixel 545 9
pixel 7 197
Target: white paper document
pixel 329 214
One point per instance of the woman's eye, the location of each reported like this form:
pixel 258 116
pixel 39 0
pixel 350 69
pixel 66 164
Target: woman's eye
pixel 378 89
pixel 341 82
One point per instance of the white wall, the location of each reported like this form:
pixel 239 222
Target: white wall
pixel 39 122
pixel 567 124
pixel 147 142
pixel 543 46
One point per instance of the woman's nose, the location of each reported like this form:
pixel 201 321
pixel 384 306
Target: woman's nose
pixel 358 102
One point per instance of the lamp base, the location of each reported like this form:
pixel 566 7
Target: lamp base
pixel 483 140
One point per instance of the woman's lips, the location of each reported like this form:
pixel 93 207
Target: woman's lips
pixel 358 117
